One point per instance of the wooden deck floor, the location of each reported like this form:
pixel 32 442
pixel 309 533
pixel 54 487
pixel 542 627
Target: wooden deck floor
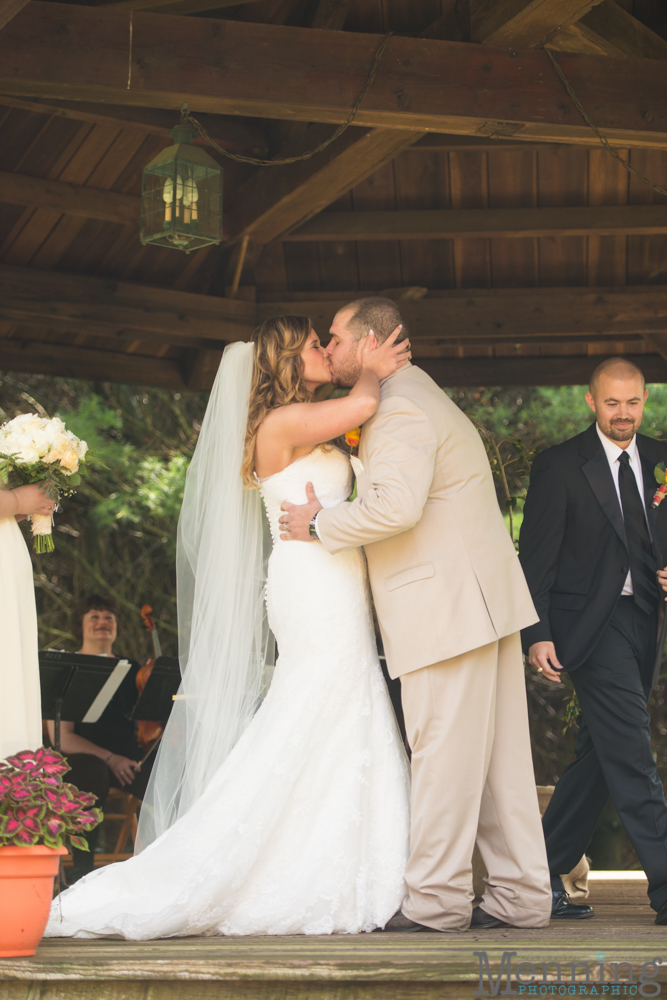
pixel 422 966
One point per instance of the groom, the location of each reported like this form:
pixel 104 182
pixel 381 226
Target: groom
pixel 451 598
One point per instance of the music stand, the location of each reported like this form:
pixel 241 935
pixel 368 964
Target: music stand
pixel 157 698
pixel 77 688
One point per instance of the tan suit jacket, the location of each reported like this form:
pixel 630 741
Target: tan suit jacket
pixel 443 570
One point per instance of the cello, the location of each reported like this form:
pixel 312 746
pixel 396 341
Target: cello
pixel 147 732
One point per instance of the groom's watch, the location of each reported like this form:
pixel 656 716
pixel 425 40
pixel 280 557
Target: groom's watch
pixel 311 527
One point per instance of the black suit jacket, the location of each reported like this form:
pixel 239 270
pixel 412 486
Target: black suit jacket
pixel 572 545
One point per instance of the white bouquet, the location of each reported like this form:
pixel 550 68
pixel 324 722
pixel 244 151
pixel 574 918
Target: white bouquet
pixel 36 449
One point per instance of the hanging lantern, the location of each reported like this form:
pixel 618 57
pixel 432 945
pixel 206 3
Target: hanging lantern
pixel 181 195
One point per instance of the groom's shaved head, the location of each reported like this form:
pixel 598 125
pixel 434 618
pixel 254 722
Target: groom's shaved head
pixel 375 313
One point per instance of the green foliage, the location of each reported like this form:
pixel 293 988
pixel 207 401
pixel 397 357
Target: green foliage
pixel 117 535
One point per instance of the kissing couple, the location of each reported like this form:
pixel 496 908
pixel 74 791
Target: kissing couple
pixel 280 802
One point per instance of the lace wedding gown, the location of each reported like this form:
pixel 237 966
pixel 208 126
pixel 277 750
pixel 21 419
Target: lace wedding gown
pixel 304 828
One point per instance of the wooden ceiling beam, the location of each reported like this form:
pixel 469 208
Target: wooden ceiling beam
pixel 533 371
pixel 276 199
pixel 70 52
pixel 498 313
pixel 609 30
pixel 658 341
pixel 237 136
pixel 9 9
pixel 475 223
pixel 520 24
pixel 70 199
pixel 45 358
pixel 106 307
pixel 175 6
pixel 441 142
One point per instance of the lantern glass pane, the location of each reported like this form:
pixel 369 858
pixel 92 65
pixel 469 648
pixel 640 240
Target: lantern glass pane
pixel 182 204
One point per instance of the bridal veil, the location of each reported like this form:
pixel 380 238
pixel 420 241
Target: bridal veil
pixel 225 646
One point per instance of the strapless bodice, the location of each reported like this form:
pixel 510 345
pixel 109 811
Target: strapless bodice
pixel 327 468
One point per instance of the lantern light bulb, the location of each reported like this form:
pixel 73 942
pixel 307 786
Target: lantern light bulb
pixel 190 199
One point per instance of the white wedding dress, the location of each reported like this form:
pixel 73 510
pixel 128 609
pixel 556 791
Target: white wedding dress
pixel 20 700
pixel 304 828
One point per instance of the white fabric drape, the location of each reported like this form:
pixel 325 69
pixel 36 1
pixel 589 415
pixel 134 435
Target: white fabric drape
pixel 20 702
pixel 225 646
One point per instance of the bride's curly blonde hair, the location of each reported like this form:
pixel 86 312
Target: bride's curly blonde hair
pixel 277 378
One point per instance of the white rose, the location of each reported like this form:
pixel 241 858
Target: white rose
pixel 31 423
pixel 28 456
pixel 40 440
pixel 54 430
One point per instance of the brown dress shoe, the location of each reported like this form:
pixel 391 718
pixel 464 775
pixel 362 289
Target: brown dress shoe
pixel 399 922
pixel 481 920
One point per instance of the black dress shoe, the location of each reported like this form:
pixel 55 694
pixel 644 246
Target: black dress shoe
pixel 563 909
pixel 484 921
pixel 399 922
pixel 661 917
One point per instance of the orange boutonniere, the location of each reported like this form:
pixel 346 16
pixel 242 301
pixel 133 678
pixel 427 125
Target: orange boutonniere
pixel 352 440
pixel 660 478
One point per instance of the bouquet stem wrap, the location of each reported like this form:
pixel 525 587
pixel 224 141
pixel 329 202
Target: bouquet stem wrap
pixel 42 527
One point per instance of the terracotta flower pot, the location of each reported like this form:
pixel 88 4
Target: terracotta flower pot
pixel 26 891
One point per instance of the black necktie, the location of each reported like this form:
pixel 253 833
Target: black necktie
pixel 643 565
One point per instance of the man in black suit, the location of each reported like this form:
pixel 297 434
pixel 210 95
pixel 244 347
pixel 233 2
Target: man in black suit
pixel 592 549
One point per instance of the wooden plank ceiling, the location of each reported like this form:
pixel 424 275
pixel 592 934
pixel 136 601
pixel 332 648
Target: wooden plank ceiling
pixel 470 189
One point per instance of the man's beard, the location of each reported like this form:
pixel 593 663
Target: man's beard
pixel 347 374
pixel 619 434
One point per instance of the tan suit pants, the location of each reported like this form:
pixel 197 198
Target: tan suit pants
pixel 473 780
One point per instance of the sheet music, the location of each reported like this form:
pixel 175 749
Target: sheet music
pixel 107 692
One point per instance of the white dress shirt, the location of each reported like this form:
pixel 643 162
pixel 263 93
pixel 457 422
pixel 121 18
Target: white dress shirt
pixel 613 453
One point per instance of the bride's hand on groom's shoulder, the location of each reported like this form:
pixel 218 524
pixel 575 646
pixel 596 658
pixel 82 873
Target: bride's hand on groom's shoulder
pixel 384 359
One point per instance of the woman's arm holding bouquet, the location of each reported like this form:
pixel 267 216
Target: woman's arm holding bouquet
pixel 24 501
pixel 40 461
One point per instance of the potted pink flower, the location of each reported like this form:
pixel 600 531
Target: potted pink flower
pixel 38 813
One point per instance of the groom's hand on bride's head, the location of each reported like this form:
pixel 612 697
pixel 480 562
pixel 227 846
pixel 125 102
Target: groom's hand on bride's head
pixel 295 519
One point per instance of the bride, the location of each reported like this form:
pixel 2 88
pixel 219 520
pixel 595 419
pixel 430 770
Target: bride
pixel 277 805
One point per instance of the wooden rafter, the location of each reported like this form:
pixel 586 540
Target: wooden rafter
pixel 522 24
pixel 195 5
pixel 532 371
pixel 72 52
pixel 45 358
pixel 9 9
pixel 103 306
pixel 236 136
pixel 609 30
pixel 196 372
pixel 499 313
pixel 276 199
pixel 271 203
pixel 601 27
pixel 434 224
pixel 70 199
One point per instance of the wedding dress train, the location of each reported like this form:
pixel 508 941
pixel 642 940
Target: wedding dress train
pixel 304 828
